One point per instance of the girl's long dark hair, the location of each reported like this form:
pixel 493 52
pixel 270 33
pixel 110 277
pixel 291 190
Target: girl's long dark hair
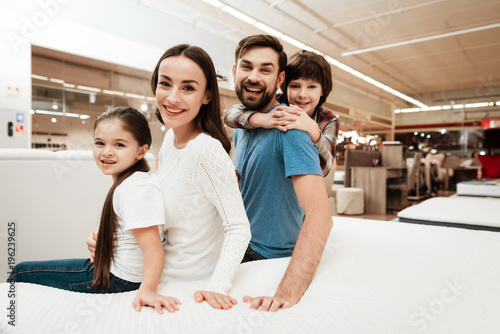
pixel 209 119
pixel 134 122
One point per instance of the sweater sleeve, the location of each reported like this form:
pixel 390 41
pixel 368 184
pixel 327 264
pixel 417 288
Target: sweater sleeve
pixel 217 179
pixel 237 117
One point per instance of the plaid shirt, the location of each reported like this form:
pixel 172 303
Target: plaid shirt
pixel 237 117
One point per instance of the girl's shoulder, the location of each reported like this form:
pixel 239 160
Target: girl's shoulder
pixel 142 179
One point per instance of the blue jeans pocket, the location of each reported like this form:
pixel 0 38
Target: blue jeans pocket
pixel 82 287
pixel 117 284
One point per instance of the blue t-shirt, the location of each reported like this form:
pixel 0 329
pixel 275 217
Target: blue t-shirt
pixel 266 159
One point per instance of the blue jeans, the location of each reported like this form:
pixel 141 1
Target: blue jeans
pixel 70 274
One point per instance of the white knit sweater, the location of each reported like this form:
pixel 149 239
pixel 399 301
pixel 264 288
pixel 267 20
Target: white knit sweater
pixel 206 226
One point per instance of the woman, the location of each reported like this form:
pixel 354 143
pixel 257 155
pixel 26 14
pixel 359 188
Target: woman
pixel 207 230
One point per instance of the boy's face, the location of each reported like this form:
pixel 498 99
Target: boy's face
pixel 257 78
pixel 304 93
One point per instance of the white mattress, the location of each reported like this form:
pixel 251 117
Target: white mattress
pixel 375 277
pixel 459 211
pixel 483 188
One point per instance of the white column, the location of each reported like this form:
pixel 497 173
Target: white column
pixel 15 80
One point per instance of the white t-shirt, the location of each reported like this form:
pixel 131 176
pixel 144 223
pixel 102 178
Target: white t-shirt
pixel 138 203
pixel 207 230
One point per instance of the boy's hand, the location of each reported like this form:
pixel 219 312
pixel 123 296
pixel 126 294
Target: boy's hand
pixel 293 117
pixel 283 116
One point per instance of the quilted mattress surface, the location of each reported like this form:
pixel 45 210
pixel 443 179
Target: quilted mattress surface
pixel 485 188
pixel 470 210
pixel 374 277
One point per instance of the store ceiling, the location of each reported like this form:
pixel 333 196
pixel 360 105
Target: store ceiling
pixel 423 48
pixel 432 50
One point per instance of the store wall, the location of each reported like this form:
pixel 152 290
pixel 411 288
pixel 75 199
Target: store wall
pixel 15 83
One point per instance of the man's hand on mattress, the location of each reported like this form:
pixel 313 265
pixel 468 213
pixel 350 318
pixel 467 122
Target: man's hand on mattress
pixel 271 304
pixel 91 244
pixel 214 299
pixel 151 298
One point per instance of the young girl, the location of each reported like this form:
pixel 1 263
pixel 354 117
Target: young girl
pixel 206 227
pixel 129 253
pixel 308 82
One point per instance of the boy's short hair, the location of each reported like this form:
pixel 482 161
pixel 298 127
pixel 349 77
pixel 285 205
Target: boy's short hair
pixel 308 65
pixel 262 41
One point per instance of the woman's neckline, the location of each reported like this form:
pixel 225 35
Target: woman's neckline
pixel 187 144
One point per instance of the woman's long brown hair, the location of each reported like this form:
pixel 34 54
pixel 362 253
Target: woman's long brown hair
pixel 134 122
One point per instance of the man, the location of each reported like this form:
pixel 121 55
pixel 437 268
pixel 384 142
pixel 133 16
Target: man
pixel 281 177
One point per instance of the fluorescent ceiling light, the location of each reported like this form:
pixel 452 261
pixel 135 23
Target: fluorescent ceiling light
pixel 113 92
pixel 142 97
pixel 293 41
pixel 215 3
pixel 448 107
pixel 57 113
pixel 431 108
pixel 39 77
pixel 69 85
pixel 269 30
pixel 239 15
pixel 477 105
pixel 92 89
pixel 332 61
pixel 410 110
pixel 57 80
pixel 308 48
pixel 419 40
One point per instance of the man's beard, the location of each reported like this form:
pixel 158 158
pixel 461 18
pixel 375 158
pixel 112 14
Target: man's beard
pixel 252 103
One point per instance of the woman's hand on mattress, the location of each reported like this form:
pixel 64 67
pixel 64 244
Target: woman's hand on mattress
pixel 151 298
pixel 271 304
pixel 214 299
pixel 91 244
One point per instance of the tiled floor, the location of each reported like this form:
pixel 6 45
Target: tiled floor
pixel 393 215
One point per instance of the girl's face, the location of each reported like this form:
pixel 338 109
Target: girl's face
pixel 115 149
pixel 180 92
pixel 304 93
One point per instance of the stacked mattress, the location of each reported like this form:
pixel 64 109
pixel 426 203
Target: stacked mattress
pixel 482 188
pixel 471 212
